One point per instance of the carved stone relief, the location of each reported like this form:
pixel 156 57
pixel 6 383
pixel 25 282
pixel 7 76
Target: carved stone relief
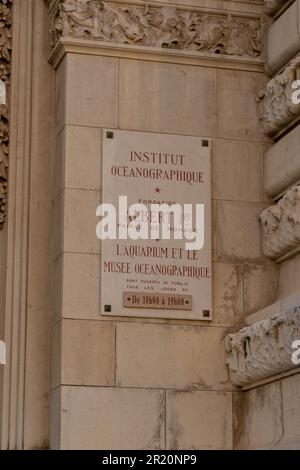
pixel 281 225
pixel 264 348
pixel 161 27
pixel 275 101
pixel 5 58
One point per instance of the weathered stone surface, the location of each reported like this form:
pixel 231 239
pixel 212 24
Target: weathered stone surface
pixel 5 59
pixel 284 38
pixel 289 277
pixel 260 287
pixel 237 112
pixel 93 418
pixel 264 348
pixel 275 101
pixel 157 26
pixel 166 98
pixel 257 418
pixel 170 356
pixel 199 420
pixel 281 225
pixel 272 6
pixel 83 353
pixel 282 164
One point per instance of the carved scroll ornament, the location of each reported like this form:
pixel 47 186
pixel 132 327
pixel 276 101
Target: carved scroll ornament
pixel 5 58
pixel 161 26
pixel 281 225
pixel 275 101
pixel 264 348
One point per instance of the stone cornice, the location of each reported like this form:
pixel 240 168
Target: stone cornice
pixel 164 27
pixel 5 62
pixel 276 108
pixel 281 226
pixel 263 349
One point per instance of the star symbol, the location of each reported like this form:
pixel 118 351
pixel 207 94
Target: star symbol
pixel 157 190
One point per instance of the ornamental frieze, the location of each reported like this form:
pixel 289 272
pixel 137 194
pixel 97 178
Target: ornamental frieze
pixel 5 60
pixel 156 26
pixel 276 107
pixel 264 348
pixel 281 225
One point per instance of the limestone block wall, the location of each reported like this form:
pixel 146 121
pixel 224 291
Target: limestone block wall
pixel 144 383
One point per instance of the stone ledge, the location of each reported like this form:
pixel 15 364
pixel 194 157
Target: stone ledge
pixel 263 349
pixel 152 54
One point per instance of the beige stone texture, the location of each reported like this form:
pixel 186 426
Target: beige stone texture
pixel 199 420
pixel 227 293
pixel 167 98
pixel 237 232
pixel 260 287
pixel 291 411
pixel 237 170
pixel 170 356
pixel 291 301
pixel 79 295
pixel 284 38
pixel 80 221
pixel 84 152
pixel 60 96
pixel 83 353
pixel 237 107
pixel 258 425
pixel 264 313
pixel 282 164
pixel 77 160
pixel 289 277
pixel 87 103
pixel 95 418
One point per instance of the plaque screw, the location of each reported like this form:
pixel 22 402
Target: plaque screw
pixel 206 313
pixel 107 308
pixel 109 135
pixel 205 143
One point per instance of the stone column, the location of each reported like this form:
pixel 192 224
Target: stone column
pixel 25 384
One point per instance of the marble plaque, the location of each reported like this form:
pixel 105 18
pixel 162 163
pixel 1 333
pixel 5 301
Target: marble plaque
pixel 146 272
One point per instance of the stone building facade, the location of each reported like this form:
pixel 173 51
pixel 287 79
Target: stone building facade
pixel 217 69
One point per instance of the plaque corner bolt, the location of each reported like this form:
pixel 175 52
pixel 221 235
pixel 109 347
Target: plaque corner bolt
pixel 109 135
pixel 107 308
pixel 205 143
pixel 206 313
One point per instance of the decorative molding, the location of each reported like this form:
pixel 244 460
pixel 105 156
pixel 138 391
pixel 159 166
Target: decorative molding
pixel 273 6
pixel 264 348
pixel 5 66
pixel 276 108
pixel 166 27
pixel 281 225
